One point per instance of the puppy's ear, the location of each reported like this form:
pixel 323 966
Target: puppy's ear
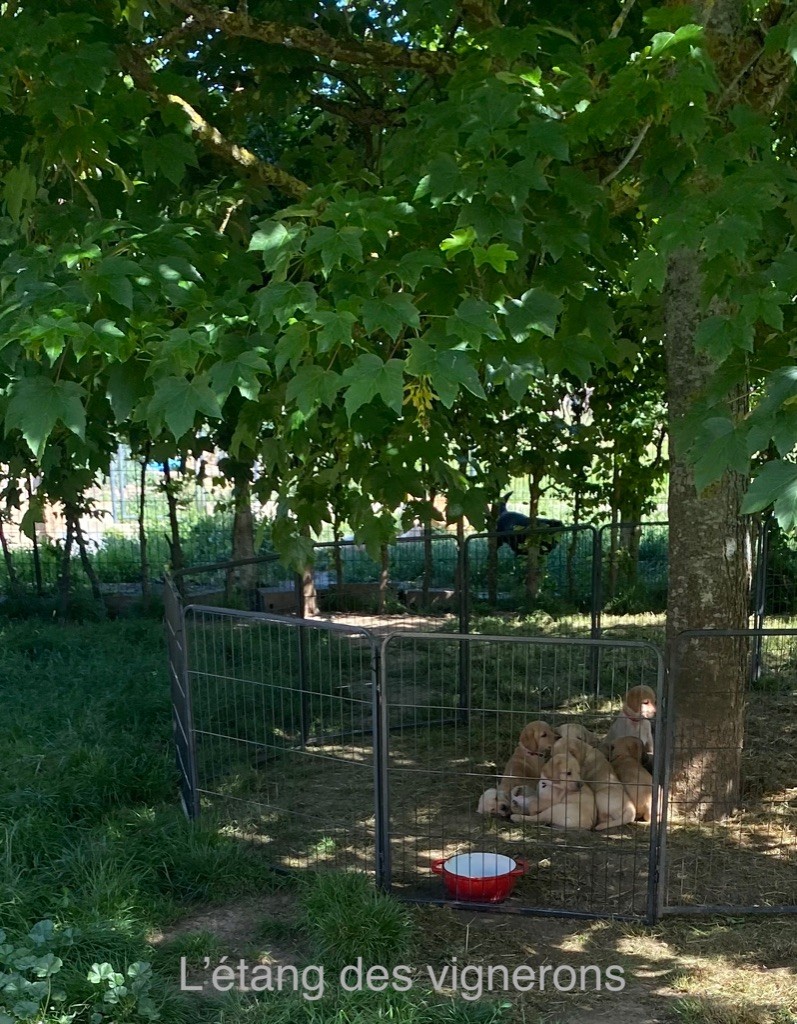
pixel 557 734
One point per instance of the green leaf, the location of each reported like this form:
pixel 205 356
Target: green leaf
pixel 649 268
pixel 720 335
pixel 313 386
pixel 19 190
pixel 241 372
pixel 390 313
pixel 281 300
pixel 473 321
pixel 336 328
pixel 178 401
pixel 291 347
pixel 535 310
pixel 37 404
pixel 412 265
pixel 170 154
pixel 497 256
pixel 462 238
pixel 776 485
pixel 720 447
pixel 369 377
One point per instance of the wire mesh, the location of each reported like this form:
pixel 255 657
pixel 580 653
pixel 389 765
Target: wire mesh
pixel 634 567
pixel 555 575
pixel 283 721
pixel 415 586
pixel 731 837
pixel 446 747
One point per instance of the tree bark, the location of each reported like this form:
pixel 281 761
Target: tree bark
pixel 142 531
pixel 533 558
pixel 85 561
pixel 65 571
pixel 13 580
pixel 243 579
pixel 173 539
pixel 709 580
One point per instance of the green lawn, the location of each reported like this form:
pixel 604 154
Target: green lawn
pixel 94 842
pixel 104 886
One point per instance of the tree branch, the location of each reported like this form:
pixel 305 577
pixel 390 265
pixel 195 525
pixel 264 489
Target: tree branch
pixel 312 40
pixel 619 21
pixel 211 137
pixel 629 156
pixel 364 116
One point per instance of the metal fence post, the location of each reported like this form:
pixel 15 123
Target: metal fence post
pixel 464 628
pixel 596 602
pixel 182 712
pixel 760 596
pixel 381 738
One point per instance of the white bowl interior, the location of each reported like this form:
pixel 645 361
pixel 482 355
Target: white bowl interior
pixel 479 865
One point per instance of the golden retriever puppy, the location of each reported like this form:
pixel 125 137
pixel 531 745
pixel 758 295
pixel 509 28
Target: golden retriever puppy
pixel 579 732
pixel 613 804
pixel 535 740
pixel 488 802
pixel 625 756
pixel 562 799
pixel 639 708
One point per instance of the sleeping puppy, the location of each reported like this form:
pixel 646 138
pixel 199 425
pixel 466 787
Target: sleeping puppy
pixel 634 720
pixel 579 732
pixel 625 756
pixel 562 800
pixel 525 764
pixel 611 801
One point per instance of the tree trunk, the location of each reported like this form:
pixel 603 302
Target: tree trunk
pixel 65 571
pixel 709 580
pixel 13 580
pixel 243 579
pixel 85 561
pixel 492 560
pixel 572 548
pixel 142 531
pixel 427 556
pixel 337 554
pixel 37 562
pixel 533 558
pixel 309 595
pixel 175 548
pixel 384 576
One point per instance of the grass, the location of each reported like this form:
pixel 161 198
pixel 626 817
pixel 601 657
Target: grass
pixel 93 841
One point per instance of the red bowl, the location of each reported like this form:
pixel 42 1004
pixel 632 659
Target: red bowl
pixel 479 877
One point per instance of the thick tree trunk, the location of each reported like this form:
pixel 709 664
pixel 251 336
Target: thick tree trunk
pixel 709 581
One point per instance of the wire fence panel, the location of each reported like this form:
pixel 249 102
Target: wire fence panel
pixel 553 573
pixel 634 567
pixel 445 747
pixel 414 585
pixel 284 714
pixel 731 836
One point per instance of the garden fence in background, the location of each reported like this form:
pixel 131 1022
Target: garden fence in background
pixel 331 746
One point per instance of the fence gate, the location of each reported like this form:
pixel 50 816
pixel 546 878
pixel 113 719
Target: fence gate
pixel 443 747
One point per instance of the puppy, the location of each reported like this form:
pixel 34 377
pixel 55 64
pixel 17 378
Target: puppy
pixel 625 756
pixel 634 720
pixel 579 732
pixel 525 764
pixel 613 804
pixel 562 800
pixel 488 802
